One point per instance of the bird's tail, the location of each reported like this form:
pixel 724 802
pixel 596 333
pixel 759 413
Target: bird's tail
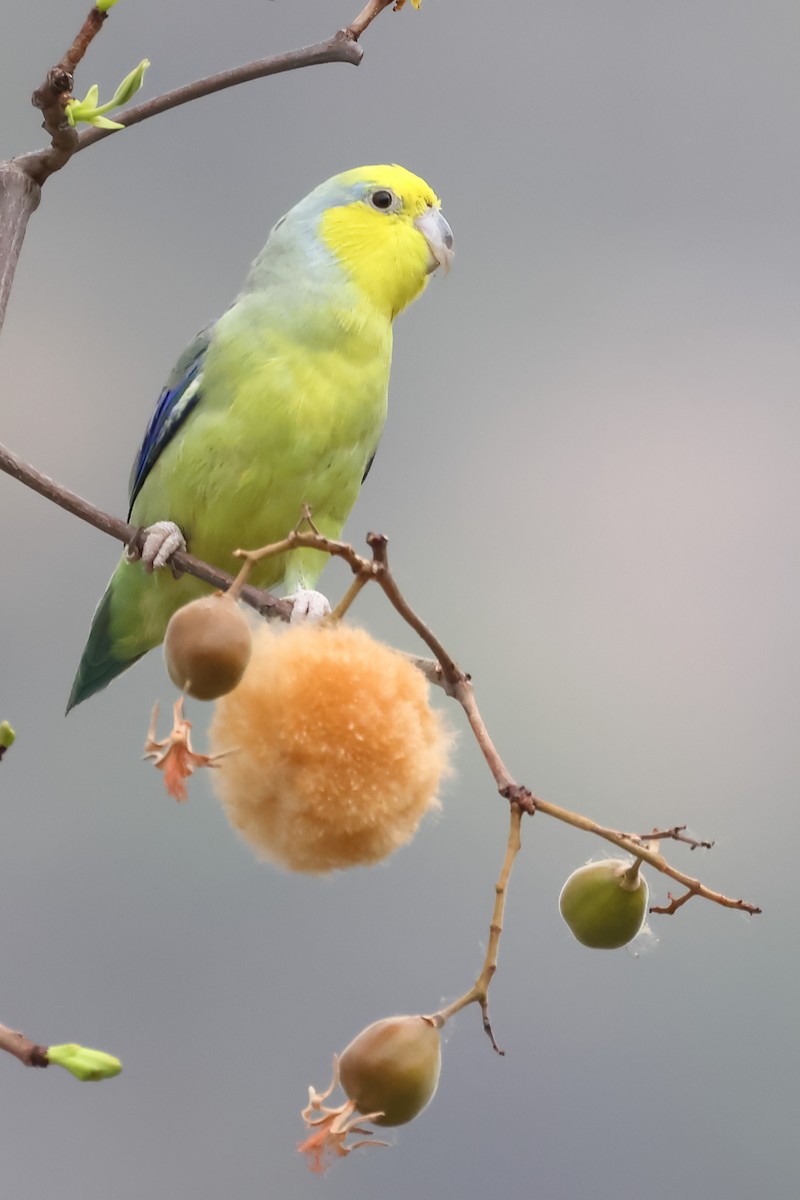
pixel 130 620
pixel 99 664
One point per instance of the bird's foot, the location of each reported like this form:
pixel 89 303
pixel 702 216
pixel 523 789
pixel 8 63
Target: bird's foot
pixel 308 606
pixel 158 543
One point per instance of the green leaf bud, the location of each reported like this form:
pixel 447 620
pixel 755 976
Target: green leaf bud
pixel 130 85
pixel 85 1064
pixel 89 112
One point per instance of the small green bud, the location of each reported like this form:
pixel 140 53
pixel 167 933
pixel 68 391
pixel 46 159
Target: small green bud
pixel 83 1063
pixel 130 85
pixel 392 1068
pixel 90 112
pixel 7 735
pixel 104 5
pixel 605 903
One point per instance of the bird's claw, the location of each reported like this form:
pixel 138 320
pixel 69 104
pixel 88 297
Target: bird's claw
pixel 308 606
pixel 156 544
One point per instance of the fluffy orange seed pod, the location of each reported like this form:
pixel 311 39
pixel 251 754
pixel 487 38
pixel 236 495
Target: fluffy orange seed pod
pixel 337 752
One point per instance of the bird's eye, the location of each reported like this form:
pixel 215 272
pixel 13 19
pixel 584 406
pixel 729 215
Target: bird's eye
pixel 384 200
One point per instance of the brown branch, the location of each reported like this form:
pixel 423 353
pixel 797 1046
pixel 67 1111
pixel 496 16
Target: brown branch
pixel 339 48
pixel 377 568
pixel 28 1052
pixel 452 673
pixel 95 19
pixel 676 834
pixel 262 601
pixel 678 902
pixel 22 178
pixel 336 49
pixel 52 95
pixel 631 845
pixel 455 682
pixel 458 684
pixel 19 199
pixel 479 992
pixel 367 15
pixel 464 693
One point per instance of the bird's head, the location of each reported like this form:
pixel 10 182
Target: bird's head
pixel 384 226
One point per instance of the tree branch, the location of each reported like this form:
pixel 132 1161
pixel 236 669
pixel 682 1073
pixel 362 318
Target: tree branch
pixel 263 602
pixel 19 198
pixel 22 178
pixel 448 675
pixel 479 992
pixel 458 685
pixel 42 163
pixel 367 15
pixel 28 1052
pixel 338 49
pixel 52 95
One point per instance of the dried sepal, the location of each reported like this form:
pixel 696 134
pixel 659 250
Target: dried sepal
pixel 174 755
pixel 331 1127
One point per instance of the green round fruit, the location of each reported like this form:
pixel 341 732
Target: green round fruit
pixel 603 904
pixel 392 1067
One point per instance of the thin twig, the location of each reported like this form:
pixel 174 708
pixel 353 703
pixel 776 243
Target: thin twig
pixel 367 15
pixel 52 95
pixel 378 569
pixel 28 1052
pixel 479 992
pixel 676 834
pixel 641 850
pixel 676 902
pixel 453 675
pixel 337 49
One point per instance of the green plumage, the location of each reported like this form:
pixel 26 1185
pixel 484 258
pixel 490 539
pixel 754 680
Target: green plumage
pixel 289 403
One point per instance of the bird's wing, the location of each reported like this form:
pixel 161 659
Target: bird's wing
pixel 179 397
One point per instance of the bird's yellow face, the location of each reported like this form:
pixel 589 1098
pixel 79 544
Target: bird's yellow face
pixel 390 236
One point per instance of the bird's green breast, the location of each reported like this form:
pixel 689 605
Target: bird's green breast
pixel 291 413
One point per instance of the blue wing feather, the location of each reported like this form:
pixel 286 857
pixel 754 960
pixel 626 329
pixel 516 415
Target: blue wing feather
pixel 180 396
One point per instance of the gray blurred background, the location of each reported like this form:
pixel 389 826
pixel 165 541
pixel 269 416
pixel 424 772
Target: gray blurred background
pixel 589 478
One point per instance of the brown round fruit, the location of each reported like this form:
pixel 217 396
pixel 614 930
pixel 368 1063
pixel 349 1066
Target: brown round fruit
pixel 207 646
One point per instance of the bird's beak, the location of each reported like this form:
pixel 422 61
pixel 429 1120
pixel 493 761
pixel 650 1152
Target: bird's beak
pixel 439 236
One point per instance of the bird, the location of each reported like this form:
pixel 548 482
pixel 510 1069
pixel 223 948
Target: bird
pixel 278 404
